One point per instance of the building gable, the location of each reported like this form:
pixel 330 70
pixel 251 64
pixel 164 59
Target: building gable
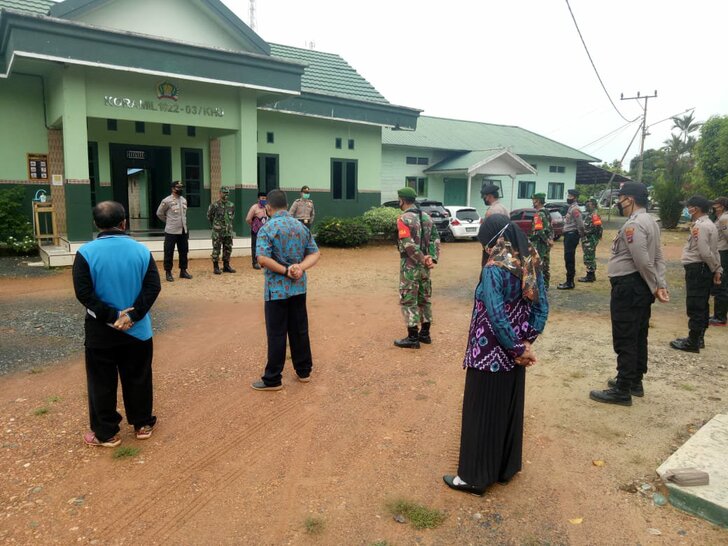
pixel 206 23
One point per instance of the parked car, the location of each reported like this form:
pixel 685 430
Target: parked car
pixel 561 207
pixel 524 219
pixel 440 216
pixel 464 222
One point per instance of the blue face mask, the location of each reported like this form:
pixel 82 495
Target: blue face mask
pixel 262 202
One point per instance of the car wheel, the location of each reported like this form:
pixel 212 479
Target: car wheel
pixel 448 237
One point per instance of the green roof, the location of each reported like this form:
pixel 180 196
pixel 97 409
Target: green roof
pixel 465 136
pixel 32 6
pixel 329 74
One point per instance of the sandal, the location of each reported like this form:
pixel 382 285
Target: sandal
pixel 143 433
pixel 91 440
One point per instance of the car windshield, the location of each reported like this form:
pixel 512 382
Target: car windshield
pixel 467 214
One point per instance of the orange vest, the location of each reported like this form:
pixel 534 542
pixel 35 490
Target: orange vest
pixel 596 220
pixel 537 223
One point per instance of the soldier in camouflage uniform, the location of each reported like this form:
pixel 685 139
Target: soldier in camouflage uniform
pixel 221 214
pixel 542 235
pixel 419 249
pixel 592 235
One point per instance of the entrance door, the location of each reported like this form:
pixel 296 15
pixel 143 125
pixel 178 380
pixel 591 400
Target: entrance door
pixel 267 172
pixel 455 191
pixel 140 179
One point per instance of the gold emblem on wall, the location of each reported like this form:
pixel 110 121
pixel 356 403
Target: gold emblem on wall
pixel 167 90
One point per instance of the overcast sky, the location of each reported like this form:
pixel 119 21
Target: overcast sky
pixel 520 62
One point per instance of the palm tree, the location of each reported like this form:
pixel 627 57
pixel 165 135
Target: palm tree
pixel 686 125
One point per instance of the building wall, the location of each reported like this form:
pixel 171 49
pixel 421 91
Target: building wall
pixel 395 170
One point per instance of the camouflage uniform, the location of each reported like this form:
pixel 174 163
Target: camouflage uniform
pixel 541 238
pixel 221 214
pixel 592 235
pixel 418 238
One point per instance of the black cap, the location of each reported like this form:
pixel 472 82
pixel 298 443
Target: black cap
pixel 633 189
pixel 722 201
pixel 574 192
pixel 699 201
pixel 489 189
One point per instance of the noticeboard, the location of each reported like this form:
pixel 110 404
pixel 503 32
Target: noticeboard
pixel 38 167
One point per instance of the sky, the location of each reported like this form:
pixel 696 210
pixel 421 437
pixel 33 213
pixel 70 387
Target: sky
pixel 521 62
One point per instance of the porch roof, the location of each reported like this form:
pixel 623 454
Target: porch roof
pixel 497 161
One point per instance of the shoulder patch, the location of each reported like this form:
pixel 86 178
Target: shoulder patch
pixel 576 213
pixel 695 232
pixel 629 234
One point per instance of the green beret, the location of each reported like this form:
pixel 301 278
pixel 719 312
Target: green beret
pixel 541 196
pixel 407 193
pixel 225 190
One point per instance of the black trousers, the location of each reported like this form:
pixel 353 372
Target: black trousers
pixel 571 242
pixel 132 363
pixel 630 306
pixel 720 305
pixel 253 242
pixel 698 283
pixel 287 318
pixel 183 247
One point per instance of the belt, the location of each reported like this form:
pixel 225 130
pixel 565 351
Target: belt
pixel 695 265
pixel 626 279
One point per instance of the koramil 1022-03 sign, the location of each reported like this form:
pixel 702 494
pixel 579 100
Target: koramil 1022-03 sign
pixel 168 98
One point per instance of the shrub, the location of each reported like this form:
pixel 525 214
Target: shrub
pixel 16 233
pixel 669 196
pixel 343 232
pixel 382 221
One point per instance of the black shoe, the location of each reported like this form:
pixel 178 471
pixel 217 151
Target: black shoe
pixel 590 277
pixel 685 344
pixel 260 386
pixel 450 481
pixel 424 335
pixel 715 321
pixel 566 286
pixel 168 276
pixel 412 341
pixel 216 268
pixel 183 274
pixel 635 390
pixel 226 268
pixel 256 265
pixel 612 396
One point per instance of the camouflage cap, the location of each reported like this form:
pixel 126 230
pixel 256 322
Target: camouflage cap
pixel 225 190
pixel 540 196
pixel 407 193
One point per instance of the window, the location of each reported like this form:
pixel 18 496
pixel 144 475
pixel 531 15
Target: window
pixel 417 160
pixel 139 126
pixel 343 179
pixel 351 143
pixel 423 161
pixel 111 125
pixel 192 175
pixel 191 130
pixel 526 189
pixel 338 144
pixel 418 184
pixel 270 137
pixel 411 160
pixel 556 191
pixel 166 129
pixel 557 169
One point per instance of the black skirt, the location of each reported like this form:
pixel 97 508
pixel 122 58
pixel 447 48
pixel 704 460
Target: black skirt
pixel 491 438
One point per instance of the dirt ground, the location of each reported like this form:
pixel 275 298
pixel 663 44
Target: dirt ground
pixel 229 465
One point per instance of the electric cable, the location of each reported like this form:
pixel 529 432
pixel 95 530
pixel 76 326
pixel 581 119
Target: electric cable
pixel 610 133
pixel 594 66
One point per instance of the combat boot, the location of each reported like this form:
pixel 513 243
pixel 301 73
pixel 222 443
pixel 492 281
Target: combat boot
pixel 614 395
pixel 568 285
pixel 424 336
pixel 226 268
pixel 636 389
pixel 216 268
pixel 412 341
pixel 590 277
pixel 690 344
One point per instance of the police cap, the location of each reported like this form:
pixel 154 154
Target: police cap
pixel 722 202
pixel 407 193
pixel 489 189
pixel 699 201
pixel 573 192
pixel 633 189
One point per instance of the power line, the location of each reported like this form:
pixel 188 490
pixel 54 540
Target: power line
pixel 595 67
pixel 610 133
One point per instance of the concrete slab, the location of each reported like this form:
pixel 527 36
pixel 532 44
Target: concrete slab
pixel 707 450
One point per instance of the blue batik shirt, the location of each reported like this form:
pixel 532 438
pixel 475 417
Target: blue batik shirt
pixel 287 241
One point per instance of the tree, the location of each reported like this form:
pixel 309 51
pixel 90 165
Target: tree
pixel 711 154
pixel 687 125
pixel 669 188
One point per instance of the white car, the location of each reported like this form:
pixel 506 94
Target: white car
pixel 464 222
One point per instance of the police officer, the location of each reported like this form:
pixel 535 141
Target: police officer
pixel 489 193
pixel 419 249
pixel 573 231
pixel 302 209
pixel 702 270
pixel 720 305
pixel 542 237
pixel 221 214
pixel 592 236
pixel 636 271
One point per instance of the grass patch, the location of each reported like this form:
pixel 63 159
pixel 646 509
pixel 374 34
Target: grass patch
pixel 53 399
pixel 420 516
pixel 35 370
pixel 41 411
pixel 688 387
pixel 125 452
pixel 314 525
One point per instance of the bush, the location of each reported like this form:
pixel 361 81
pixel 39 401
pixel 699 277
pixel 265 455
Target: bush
pixel 16 232
pixel 382 222
pixel 669 196
pixel 343 232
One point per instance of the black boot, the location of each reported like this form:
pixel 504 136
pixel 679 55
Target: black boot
pixel 412 341
pixel 636 389
pixel 184 274
pixel 590 277
pixel 216 268
pixel 568 285
pixel 619 395
pixel 425 333
pixel 168 275
pixel 690 344
pixel 226 268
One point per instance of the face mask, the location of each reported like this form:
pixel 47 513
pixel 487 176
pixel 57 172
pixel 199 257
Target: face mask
pixel 620 208
pixel 178 191
pixel 262 202
pixel 306 195
pixel 570 200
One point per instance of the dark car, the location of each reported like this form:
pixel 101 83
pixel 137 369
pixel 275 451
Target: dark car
pixel 436 211
pixel 560 206
pixel 524 219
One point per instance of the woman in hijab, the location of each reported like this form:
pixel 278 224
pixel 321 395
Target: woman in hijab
pixel 509 313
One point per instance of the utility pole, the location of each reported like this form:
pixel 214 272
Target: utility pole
pixel 252 14
pixel 644 127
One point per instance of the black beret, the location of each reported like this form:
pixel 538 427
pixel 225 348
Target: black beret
pixel 489 189
pixel 633 189
pixel 574 192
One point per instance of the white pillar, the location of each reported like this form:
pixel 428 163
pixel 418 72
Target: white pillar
pixel 470 184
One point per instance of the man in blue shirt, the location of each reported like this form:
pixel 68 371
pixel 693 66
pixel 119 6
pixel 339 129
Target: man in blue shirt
pixel 285 249
pixel 116 280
